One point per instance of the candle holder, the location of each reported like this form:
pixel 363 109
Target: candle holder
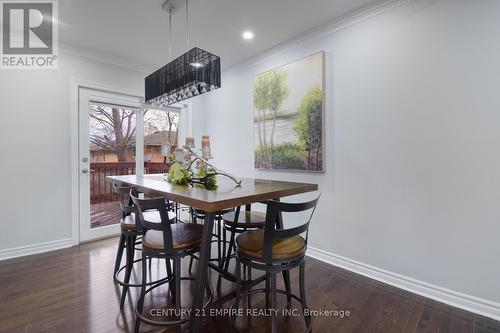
pixel 195 157
pixel 181 172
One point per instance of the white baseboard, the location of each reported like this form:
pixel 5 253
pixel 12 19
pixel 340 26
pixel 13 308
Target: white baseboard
pixel 457 299
pixel 35 248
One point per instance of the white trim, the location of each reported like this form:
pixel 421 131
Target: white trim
pixel 139 141
pixel 106 59
pixel 75 163
pixel 457 299
pixel 35 248
pixel 185 121
pixel 105 88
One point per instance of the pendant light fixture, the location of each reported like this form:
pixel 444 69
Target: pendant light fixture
pixel 193 73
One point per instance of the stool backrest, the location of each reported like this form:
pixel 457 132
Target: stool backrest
pixel 123 193
pixel 274 218
pixel 155 204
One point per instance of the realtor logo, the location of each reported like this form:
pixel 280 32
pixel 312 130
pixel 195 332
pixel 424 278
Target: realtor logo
pixel 29 34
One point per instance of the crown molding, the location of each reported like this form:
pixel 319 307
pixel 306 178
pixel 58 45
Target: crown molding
pixel 354 17
pixel 104 58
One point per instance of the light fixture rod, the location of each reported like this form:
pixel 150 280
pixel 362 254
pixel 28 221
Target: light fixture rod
pixel 187 24
pixel 170 32
pixel 168 5
pixel 171 5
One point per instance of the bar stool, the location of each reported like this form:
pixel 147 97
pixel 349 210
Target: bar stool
pixel 196 215
pixel 128 238
pixel 169 241
pixel 236 222
pixel 275 250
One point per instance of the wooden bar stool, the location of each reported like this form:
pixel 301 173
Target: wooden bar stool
pixel 169 241
pixel 130 231
pixel 275 250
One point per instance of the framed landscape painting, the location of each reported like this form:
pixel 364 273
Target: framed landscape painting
pixel 288 116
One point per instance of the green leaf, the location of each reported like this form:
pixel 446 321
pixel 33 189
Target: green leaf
pixel 178 175
pixel 201 171
pixel 203 177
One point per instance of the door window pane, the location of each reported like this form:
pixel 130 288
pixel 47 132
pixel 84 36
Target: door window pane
pixel 112 135
pixel 160 127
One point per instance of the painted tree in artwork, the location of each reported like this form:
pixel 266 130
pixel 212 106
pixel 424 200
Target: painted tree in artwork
pixel 278 92
pixel 260 105
pixel 270 90
pixel 112 129
pixel 308 127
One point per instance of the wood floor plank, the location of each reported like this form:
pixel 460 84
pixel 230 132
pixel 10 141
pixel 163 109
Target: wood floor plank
pixel 72 290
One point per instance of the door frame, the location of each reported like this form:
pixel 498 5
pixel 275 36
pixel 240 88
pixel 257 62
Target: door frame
pixel 76 85
pixel 88 97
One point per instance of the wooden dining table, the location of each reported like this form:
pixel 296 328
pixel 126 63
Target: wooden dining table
pixel 227 195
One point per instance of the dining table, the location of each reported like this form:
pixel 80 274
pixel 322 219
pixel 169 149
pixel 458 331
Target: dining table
pixel 227 195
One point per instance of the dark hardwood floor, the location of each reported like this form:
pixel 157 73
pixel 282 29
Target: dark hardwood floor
pixel 72 290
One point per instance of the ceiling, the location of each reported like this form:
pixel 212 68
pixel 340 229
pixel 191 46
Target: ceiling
pixel 135 32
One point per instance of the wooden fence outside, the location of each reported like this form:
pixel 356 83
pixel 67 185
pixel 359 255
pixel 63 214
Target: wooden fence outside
pixel 102 191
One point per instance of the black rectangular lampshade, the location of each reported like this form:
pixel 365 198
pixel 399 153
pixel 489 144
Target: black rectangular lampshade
pixel 193 73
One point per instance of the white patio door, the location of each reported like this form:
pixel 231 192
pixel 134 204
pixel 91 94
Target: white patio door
pixel 110 143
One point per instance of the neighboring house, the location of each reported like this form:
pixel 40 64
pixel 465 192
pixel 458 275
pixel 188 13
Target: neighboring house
pixel 152 149
pixel 153 143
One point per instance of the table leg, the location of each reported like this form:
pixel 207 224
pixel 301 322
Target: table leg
pixel 199 290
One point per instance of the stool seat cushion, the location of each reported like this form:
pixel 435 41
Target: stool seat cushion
pixel 245 219
pixel 128 222
pixel 251 243
pixel 184 236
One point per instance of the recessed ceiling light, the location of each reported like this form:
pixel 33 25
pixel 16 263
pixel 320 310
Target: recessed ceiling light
pixel 247 35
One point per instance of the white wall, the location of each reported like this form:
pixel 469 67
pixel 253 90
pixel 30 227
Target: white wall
pixel 412 141
pixel 35 146
pixel 35 160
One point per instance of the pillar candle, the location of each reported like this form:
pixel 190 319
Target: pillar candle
pixel 205 148
pixel 165 149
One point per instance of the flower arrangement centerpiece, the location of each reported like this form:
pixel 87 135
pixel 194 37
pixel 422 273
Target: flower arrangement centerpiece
pixel 189 168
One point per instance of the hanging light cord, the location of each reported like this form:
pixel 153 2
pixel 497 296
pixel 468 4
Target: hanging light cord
pixel 187 24
pixel 170 27
pixel 170 31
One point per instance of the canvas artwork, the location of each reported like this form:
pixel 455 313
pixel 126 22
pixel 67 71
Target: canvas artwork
pixel 288 116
